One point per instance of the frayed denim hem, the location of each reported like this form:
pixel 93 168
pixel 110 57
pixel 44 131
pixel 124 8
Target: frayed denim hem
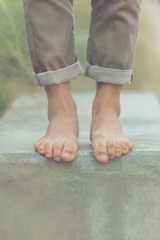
pixel 109 75
pixel 58 76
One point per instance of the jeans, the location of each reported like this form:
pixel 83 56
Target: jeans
pixel 111 43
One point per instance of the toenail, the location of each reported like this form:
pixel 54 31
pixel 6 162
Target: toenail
pixel 57 158
pixel 103 156
pixel 48 155
pixel 118 154
pixel 66 154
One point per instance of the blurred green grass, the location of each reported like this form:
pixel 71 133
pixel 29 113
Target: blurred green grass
pixel 15 66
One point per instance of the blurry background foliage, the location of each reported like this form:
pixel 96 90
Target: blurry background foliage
pixel 15 66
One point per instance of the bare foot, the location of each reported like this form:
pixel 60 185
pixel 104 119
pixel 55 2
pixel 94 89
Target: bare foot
pixel 60 140
pixel 106 134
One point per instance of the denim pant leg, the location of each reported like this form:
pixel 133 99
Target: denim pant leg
pixel 50 34
pixel 112 40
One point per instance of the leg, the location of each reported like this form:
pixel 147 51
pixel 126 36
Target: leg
pixel 50 35
pixel 110 53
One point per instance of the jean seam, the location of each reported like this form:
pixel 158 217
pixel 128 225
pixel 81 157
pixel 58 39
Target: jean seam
pixel 73 29
pixel 91 44
pixel 32 41
pixel 136 31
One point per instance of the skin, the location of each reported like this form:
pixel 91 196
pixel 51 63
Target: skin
pixel 106 134
pixel 61 139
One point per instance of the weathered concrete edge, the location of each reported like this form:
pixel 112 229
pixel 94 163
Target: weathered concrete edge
pixel 82 159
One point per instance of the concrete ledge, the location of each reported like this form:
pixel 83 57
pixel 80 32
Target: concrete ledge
pixel 81 200
pixel 151 159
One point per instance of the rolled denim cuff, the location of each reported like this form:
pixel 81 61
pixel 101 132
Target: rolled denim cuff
pixel 109 75
pixel 58 76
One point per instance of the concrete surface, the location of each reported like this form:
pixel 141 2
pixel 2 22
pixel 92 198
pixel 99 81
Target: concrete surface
pixel 43 199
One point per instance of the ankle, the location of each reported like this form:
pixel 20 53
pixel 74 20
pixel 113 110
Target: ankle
pixel 60 101
pixel 57 90
pixel 109 89
pixel 108 108
pixel 107 99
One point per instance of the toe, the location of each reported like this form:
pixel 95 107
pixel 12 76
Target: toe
pixel 57 152
pixel 37 145
pixel 111 144
pixel 131 146
pixel 125 148
pixel 48 150
pixel 119 149
pixel 100 150
pixel 69 151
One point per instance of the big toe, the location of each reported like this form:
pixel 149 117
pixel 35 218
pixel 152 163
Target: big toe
pixel 100 150
pixel 69 151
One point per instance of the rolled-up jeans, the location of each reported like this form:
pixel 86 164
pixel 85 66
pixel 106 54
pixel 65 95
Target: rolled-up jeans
pixel 111 43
